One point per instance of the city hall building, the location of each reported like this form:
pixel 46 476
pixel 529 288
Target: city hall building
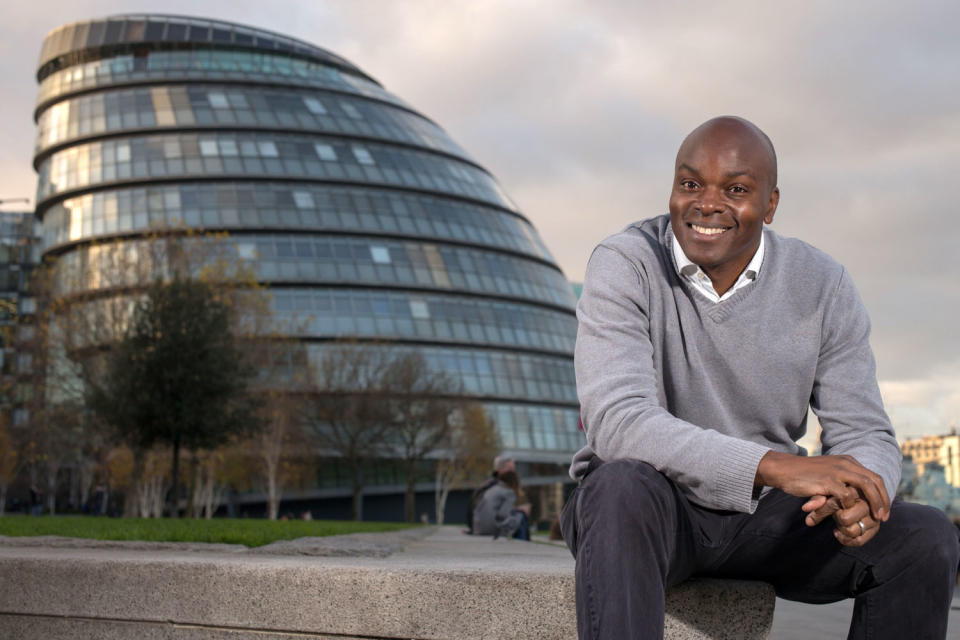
pixel 361 215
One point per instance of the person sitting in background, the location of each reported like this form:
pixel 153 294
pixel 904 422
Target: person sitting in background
pixel 501 464
pixel 497 512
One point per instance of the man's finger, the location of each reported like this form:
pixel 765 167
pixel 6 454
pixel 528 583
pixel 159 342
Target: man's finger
pixel 827 507
pixel 849 496
pixel 814 503
pixel 847 517
pixel 856 541
pixel 871 489
pixel 854 530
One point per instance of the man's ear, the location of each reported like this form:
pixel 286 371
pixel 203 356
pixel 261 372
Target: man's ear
pixel 772 205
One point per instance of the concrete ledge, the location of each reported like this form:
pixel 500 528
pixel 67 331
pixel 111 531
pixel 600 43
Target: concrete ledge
pixel 445 586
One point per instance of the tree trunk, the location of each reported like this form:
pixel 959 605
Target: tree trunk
pixel 131 495
pixel 143 498
pixel 152 496
pixel 356 509
pixel 273 492
pixel 410 499
pixel 175 491
pixel 73 501
pixel 130 501
pixel 52 470
pixel 440 495
pixel 196 492
pixel 216 497
pixel 87 471
pixel 194 474
pixel 3 498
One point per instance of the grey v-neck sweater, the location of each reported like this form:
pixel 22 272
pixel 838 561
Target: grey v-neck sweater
pixel 702 390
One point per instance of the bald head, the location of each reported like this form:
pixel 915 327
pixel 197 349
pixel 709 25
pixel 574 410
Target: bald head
pixel 737 132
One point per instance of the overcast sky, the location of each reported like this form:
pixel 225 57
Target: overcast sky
pixel 578 108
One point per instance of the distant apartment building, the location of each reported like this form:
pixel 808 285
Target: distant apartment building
pixel 940 450
pixel 19 254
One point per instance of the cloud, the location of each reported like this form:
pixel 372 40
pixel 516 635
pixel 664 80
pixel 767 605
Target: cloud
pixel 928 405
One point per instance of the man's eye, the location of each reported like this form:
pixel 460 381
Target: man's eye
pixel 738 189
pixel 688 184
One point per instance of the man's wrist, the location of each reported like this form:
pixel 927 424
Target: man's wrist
pixel 768 468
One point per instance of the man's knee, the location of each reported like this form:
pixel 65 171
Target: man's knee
pixel 941 538
pixel 932 538
pixel 627 489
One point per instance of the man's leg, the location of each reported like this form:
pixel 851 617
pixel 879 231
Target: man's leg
pixel 629 529
pixel 902 579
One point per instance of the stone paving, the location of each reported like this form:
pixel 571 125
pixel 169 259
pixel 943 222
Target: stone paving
pixel 427 584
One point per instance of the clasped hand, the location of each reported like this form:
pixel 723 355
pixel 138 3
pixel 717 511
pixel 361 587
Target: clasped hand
pixel 836 486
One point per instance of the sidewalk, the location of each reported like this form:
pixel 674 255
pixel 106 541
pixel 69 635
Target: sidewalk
pixel 799 621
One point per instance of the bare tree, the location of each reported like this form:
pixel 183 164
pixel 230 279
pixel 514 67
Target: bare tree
pixel 274 444
pixel 420 409
pixel 208 482
pixel 52 441
pixel 152 483
pixel 10 461
pixel 468 454
pixel 344 409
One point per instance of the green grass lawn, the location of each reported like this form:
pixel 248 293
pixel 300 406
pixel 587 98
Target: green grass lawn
pixel 249 532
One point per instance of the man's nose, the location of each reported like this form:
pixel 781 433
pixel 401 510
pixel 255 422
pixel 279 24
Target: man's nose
pixel 710 201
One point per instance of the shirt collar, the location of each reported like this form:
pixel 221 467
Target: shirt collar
pixel 685 267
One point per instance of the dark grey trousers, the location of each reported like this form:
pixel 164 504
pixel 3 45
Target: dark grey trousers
pixel 633 534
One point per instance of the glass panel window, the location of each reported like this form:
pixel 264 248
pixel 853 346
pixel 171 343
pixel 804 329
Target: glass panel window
pixel 325 152
pixel 419 309
pixel 208 147
pixel 380 255
pixel 218 100
pixel 268 149
pixel 362 155
pixel 238 101
pixel 304 199
pixel 351 110
pixel 228 148
pixel 247 250
pixel 315 106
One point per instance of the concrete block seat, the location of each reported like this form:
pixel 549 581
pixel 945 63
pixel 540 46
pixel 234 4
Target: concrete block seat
pixel 432 583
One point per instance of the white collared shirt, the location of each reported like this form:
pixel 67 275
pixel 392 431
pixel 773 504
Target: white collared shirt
pixel 701 281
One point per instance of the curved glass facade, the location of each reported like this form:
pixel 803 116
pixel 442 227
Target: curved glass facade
pixel 362 216
pixel 173 107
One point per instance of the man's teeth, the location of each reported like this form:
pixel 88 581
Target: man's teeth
pixel 710 231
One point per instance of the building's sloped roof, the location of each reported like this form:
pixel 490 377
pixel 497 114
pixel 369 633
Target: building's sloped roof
pixel 83 39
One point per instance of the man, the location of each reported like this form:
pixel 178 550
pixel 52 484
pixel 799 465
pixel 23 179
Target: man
pixel 703 340
pixel 501 464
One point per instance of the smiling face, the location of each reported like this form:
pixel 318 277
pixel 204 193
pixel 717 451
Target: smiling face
pixel 724 189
